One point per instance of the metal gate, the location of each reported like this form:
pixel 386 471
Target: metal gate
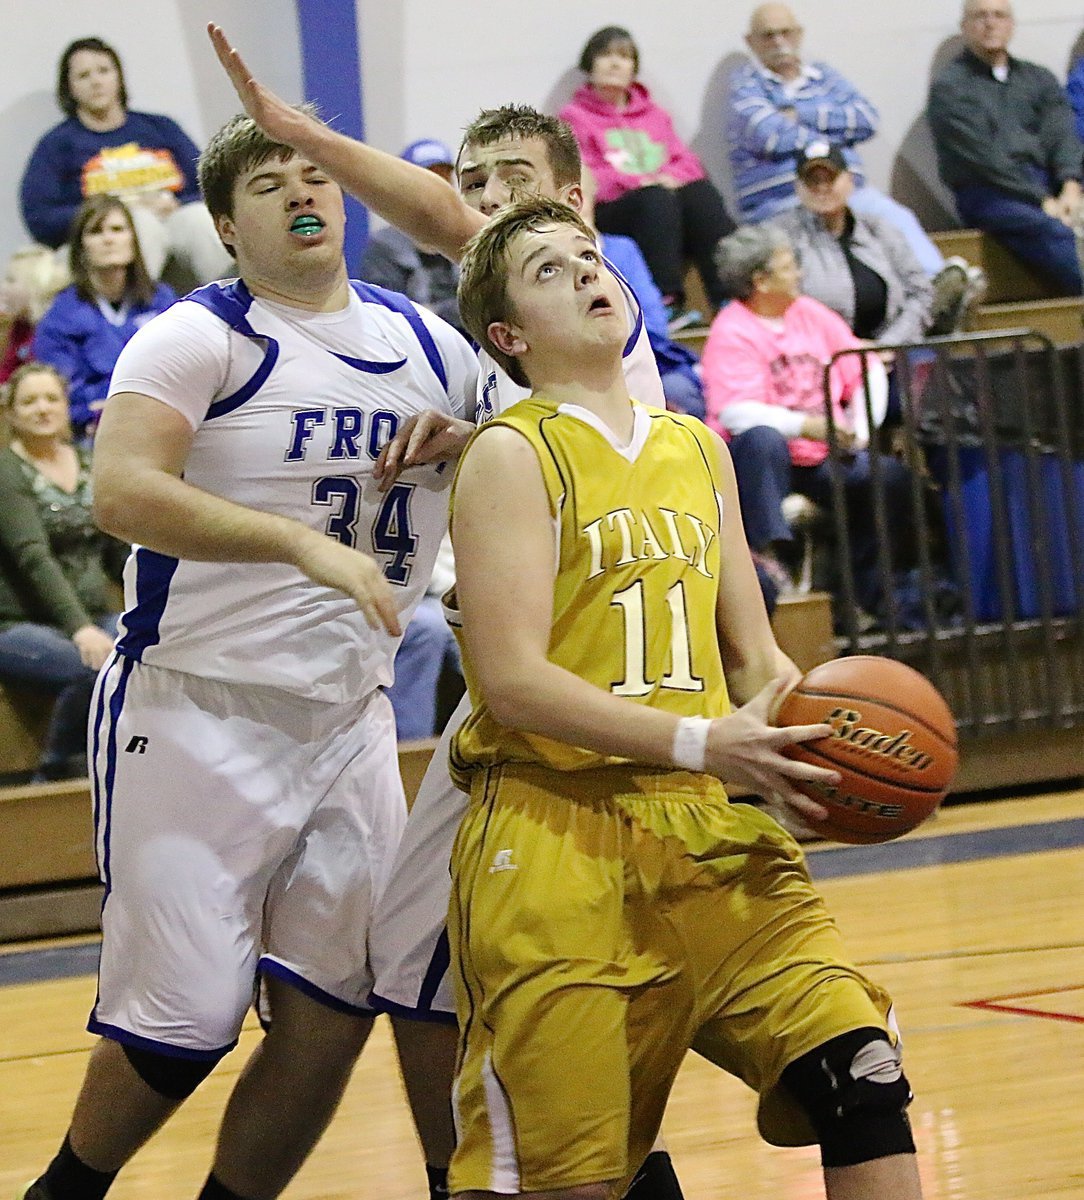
pixel 984 590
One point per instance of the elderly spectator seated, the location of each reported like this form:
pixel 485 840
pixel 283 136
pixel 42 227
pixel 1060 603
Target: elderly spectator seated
pixel 392 260
pixel 858 265
pixel 1007 148
pixel 764 364
pixel 778 104
pixel 103 147
pixel 651 186
pixel 111 296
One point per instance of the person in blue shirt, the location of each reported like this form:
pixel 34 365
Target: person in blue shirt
pixel 89 323
pixel 103 147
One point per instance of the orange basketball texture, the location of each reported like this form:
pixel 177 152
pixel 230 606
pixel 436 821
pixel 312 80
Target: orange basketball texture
pixel 894 745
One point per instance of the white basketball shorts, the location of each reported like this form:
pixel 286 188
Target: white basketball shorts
pixel 408 941
pixel 239 831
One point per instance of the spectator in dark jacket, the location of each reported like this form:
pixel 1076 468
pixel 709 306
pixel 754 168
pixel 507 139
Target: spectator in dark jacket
pixel 394 261
pixel 102 147
pixel 1007 148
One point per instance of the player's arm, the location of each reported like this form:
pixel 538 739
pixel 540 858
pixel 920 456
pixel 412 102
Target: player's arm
pixel 413 199
pixel 751 656
pixel 756 668
pixel 140 451
pixel 503 533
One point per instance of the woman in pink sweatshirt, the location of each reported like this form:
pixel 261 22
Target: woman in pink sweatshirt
pixel 651 186
pixel 764 382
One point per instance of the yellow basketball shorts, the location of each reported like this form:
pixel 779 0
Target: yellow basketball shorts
pixel 601 923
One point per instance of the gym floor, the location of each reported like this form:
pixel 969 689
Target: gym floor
pixel 974 923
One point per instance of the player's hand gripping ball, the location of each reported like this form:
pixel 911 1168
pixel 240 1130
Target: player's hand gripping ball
pixel 894 746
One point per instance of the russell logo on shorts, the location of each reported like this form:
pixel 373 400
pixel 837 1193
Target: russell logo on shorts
pixel 502 861
pixel 137 745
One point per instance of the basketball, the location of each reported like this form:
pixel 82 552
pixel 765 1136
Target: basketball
pixel 894 745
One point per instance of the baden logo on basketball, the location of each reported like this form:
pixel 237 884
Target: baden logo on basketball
pixel 848 728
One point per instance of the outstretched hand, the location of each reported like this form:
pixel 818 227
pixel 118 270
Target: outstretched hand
pixel 745 748
pixel 280 121
pixel 428 437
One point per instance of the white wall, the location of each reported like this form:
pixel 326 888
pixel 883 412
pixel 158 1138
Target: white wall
pixel 447 60
pixel 429 65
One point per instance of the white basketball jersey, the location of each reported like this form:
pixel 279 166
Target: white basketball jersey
pixel 290 410
pixel 497 392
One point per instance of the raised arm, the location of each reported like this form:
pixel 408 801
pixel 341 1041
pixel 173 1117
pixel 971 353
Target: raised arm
pixel 413 199
pixel 502 530
pixel 140 496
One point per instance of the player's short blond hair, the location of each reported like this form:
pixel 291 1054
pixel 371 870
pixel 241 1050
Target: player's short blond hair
pixel 483 275
pixel 235 149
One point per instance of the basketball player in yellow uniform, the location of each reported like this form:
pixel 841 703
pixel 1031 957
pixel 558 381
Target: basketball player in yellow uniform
pixel 610 908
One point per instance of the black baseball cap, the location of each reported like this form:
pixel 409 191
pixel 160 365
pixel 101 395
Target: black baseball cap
pixel 821 154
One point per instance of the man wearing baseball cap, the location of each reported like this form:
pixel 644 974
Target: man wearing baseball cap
pixel 431 154
pixel 394 261
pixel 860 265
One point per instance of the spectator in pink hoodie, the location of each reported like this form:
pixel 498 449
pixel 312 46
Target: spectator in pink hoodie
pixel 651 186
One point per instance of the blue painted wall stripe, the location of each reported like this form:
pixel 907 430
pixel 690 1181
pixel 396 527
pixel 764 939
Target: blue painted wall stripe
pixel 331 76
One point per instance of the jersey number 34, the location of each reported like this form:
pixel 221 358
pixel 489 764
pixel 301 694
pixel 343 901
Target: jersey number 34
pixel 391 536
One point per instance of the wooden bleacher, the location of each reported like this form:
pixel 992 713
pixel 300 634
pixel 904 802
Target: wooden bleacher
pixel 24 716
pixel 1016 297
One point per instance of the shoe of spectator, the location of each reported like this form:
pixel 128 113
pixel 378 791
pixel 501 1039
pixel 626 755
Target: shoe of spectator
pixel 678 319
pixel 977 285
pixel 949 304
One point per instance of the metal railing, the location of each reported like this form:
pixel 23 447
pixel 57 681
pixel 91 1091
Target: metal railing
pixel 980 568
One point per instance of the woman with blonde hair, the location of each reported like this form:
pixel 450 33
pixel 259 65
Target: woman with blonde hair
pixel 57 603
pixel 33 277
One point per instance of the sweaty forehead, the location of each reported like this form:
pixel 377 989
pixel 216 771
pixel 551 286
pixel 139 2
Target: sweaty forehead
pixel 277 164
pixel 529 152
pixel 563 237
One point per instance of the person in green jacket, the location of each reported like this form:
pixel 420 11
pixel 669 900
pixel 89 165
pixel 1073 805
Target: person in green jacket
pixel 57 600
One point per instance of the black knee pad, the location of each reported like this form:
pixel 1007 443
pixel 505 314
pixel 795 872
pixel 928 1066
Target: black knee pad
pixel 174 1078
pixel 856 1096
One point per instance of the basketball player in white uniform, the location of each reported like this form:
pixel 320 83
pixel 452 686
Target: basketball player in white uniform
pixel 247 798
pixel 505 152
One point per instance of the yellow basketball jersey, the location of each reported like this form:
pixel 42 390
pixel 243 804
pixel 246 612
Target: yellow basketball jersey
pixel 638 574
